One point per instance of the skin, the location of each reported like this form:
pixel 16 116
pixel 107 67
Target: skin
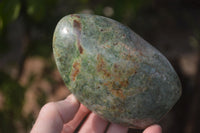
pixel 66 115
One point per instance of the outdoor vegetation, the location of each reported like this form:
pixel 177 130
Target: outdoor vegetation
pixel 28 74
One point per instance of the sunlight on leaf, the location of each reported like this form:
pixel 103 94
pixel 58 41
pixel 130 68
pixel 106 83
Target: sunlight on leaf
pixel 9 11
pixel 16 11
pixel 38 9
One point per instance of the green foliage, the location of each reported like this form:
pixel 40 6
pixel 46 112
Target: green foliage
pixel 41 48
pixel 37 20
pixel 35 9
pixel 9 11
pixel 14 98
pixel 38 9
pixel 13 93
pixel 126 10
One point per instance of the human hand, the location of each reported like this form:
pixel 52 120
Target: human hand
pixel 65 116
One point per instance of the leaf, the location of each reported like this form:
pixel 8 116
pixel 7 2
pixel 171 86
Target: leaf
pixel 9 11
pixel 38 9
pixel 13 92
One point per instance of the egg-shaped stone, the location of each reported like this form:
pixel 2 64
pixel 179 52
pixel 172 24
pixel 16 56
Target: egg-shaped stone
pixel 113 71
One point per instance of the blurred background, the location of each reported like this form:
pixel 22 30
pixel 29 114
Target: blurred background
pixel 28 74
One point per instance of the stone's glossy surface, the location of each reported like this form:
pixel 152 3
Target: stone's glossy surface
pixel 113 71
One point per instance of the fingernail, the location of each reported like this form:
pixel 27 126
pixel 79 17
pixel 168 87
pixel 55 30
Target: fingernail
pixel 71 98
pixel 67 129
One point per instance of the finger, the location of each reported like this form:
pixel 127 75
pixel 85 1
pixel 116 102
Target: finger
pixel 73 124
pixel 53 115
pixel 94 124
pixel 116 128
pixel 153 129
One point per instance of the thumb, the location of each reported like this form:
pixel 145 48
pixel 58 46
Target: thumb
pixel 54 114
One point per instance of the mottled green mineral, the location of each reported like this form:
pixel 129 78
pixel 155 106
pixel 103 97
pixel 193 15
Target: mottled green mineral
pixel 113 71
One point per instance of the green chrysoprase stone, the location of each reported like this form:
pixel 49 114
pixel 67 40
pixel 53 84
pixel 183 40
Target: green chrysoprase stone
pixel 113 71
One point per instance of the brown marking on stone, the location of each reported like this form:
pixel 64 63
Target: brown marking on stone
pixel 117 109
pixel 101 66
pixel 118 72
pixel 115 66
pixel 130 53
pixel 77 27
pixel 141 53
pixel 115 89
pixel 109 84
pixel 75 15
pixel 115 69
pixel 131 71
pixel 118 93
pixel 113 107
pixel 57 53
pixel 112 86
pixel 117 81
pixel 115 43
pixel 124 83
pixel 106 46
pixel 76 70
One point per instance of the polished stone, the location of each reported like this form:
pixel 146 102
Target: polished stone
pixel 113 71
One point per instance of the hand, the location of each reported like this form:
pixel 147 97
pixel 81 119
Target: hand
pixel 65 116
